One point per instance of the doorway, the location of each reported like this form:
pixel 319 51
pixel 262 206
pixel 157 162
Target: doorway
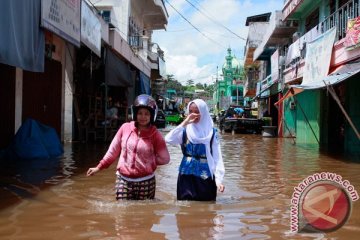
pixel 42 95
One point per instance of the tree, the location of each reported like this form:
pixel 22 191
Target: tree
pixel 199 86
pixel 172 83
pixel 170 77
pixel 190 82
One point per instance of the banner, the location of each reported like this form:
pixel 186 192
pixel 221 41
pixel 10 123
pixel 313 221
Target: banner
pixel 275 66
pixel 90 29
pixel 318 56
pixel 63 18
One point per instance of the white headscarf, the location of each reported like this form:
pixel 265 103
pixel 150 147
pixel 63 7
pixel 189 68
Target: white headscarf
pixel 202 131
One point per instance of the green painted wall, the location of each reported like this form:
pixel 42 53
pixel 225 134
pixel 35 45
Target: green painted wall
pixel 289 128
pixel 308 117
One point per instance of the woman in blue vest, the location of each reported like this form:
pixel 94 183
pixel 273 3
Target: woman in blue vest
pixel 201 170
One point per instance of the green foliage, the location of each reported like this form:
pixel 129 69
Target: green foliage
pixel 199 86
pixel 190 82
pixel 172 83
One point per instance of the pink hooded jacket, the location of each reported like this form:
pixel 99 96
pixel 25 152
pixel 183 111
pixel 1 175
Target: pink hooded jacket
pixel 140 151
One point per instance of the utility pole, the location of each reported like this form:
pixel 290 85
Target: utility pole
pixel 237 93
pixel 217 90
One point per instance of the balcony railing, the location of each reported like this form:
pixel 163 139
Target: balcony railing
pixel 341 17
pixel 338 19
pixel 135 42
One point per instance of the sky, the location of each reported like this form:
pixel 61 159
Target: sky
pixel 199 32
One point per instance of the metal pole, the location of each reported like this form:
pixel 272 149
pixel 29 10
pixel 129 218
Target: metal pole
pixel 217 88
pixel 106 106
pixel 237 94
pixel 333 94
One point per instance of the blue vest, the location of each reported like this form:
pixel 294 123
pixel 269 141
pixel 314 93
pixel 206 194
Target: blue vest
pixel 194 160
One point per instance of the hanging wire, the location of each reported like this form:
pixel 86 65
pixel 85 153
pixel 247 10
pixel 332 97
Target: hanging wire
pixel 216 22
pixel 197 29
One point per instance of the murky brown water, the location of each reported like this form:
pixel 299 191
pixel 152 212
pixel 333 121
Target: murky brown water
pixel 55 200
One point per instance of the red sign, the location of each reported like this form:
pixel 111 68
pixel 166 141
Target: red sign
pixel 290 7
pixel 352 38
pixel 326 207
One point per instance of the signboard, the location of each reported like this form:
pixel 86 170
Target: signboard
pixel 162 67
pixel 290 7
pixel 352 38
pixel 275 66
pixel 238 82
pixel 90 29
pixel 63 18
pixel 318 51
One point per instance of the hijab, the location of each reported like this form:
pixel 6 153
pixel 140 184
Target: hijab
pixel 202 131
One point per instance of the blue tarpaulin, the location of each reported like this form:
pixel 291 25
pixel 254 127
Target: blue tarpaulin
pixel 144 84
pixel 34 140
pixel 239 110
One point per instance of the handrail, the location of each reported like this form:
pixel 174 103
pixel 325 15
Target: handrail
pixel 338 19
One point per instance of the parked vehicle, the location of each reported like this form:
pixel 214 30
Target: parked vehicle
pixel 240 121
pixel 160 119
pixel 213 116
pixel 173 117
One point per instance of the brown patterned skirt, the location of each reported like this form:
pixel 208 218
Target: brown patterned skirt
pixel 130 190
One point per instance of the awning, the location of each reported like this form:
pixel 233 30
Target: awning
pixel 144 84
pixel 338 75
pixel 117 72
pixel 22 40
pixel 261 93
pixel 291 92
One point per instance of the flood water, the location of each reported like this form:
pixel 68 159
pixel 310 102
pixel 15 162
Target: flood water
pixel 53 199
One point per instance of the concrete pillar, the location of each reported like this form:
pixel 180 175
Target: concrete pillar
pixel 68 69
pixel 18 98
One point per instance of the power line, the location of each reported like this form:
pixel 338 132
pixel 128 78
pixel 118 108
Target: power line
pixel 220 34
pixel 179 30
pixel 218 23
pixel 192 24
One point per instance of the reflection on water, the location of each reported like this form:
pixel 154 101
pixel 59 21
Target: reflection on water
pixel 54 200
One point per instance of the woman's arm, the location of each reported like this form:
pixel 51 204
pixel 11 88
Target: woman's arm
pixel 161 152
pixel 219 164
pixel 113 152
pixel 175 135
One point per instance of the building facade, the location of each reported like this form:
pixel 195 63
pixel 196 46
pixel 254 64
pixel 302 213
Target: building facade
pixel 230 87
pixel 319 77
pixel 63 75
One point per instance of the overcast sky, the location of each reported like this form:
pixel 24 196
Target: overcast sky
pixel 195 54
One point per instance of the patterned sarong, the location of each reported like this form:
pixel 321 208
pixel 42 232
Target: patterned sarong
pixel 129 190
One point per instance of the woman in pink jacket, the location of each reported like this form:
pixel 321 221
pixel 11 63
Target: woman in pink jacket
pixel 140 148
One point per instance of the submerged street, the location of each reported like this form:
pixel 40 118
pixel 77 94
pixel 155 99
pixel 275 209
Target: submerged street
pixel 53 199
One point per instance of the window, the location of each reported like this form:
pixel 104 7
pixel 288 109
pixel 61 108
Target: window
pixel 134 33
pixel 106 16
pixel 312 20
